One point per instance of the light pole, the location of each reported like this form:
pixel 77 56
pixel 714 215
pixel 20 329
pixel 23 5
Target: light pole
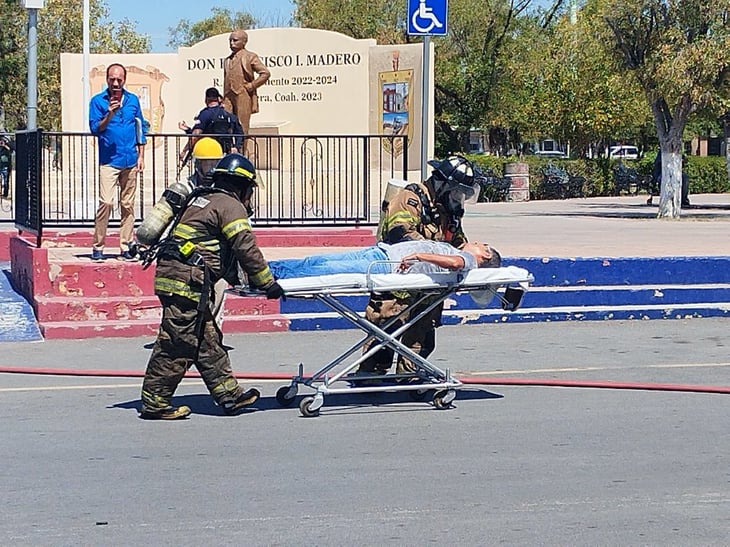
pixel 725 119
pixel 32 88
pixel 85 108
pixel 85 67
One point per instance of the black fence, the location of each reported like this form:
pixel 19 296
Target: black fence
pixel 303 180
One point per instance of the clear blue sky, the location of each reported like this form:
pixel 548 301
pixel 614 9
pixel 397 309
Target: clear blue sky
pixel 154 17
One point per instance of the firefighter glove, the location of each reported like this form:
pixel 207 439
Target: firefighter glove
pixel 274 292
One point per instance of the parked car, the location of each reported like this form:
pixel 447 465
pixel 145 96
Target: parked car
pixel 624 152
pixel 551 154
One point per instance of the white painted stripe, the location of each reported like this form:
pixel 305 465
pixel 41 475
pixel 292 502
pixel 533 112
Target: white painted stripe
pixel 589 369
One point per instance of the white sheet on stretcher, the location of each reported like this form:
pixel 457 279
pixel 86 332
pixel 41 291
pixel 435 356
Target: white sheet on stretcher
pixel 356 282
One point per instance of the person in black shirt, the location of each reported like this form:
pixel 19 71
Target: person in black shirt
pixel 215 120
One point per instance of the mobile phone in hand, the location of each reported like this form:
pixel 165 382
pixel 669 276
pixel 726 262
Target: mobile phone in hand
pixel 116 94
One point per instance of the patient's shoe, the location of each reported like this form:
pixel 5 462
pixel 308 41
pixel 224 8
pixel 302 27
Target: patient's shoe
pixel 247 398
pixel 170 413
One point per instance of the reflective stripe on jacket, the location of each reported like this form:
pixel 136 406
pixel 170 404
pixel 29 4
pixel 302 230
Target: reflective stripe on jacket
pixel 216 227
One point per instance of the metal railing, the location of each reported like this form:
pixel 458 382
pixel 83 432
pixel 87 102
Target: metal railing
pixel 323 180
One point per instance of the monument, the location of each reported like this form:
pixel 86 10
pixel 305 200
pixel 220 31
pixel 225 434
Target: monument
pixel 322 83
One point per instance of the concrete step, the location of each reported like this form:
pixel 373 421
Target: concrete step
pixel 148 326
pixel 265 237
pixel 131 308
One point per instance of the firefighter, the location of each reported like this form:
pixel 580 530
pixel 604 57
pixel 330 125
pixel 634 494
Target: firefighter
pixel 207 242
pixel 433 210
pixel 207 152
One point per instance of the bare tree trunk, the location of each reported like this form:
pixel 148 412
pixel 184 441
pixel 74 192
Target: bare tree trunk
pixel 670 127
pixel 670 198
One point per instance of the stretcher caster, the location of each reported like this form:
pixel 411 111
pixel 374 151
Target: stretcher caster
pixel 309 407
pixel 285 395
pixel 443 399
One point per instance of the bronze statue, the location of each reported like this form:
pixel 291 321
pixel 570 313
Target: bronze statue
pixel 243 74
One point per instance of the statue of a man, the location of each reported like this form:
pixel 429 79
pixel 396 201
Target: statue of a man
pixel 243 74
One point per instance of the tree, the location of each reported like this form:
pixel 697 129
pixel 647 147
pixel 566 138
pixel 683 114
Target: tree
pixel 222 21
pixel 559 82
pixel 677 50
pixel 59 30
pixel 469 66
pixel 383 20
pixel 12 64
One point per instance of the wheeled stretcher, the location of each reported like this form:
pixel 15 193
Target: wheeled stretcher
pixel 432 288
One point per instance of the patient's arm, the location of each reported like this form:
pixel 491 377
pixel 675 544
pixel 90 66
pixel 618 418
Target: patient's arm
pixel 450 262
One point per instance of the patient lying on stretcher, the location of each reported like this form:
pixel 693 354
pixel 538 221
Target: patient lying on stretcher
pixel 422 256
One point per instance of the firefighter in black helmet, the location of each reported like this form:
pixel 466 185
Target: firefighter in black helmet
pixel 433 210
pixel 209 240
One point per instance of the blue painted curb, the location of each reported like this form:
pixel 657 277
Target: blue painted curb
pixel 554 272
pixel 575 289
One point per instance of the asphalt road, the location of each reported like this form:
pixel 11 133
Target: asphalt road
pixel 508 465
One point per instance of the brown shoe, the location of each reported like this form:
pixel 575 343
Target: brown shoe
pixel 171 413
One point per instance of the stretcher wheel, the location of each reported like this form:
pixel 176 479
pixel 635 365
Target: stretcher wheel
pixel 442 399
pixel 283 396
pixel 305 408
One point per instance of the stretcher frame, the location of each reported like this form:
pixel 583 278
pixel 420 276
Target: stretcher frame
pixel 432 289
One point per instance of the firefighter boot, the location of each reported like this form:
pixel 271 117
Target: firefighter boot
pixel 231 397
pixel 156 407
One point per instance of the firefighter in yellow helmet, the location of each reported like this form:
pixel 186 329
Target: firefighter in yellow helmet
pixel 210 239
pixel 207 152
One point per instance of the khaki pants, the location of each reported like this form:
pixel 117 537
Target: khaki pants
pixel 109 178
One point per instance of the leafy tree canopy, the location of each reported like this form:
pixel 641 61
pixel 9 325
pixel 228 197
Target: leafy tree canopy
pixel 221 21
pixel 59 30
pixel 677 51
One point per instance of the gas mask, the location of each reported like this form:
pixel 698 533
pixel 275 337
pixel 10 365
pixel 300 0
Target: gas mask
pixel 454 181
pixel 246 198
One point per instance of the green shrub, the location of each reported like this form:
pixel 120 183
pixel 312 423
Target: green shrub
pixel 706 174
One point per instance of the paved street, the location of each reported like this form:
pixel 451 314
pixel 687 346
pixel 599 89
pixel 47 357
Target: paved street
pixel 511 465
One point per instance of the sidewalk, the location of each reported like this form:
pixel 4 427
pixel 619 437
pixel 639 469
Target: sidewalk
pixel 601 227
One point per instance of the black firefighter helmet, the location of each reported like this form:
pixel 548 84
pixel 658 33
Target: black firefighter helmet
pixel 456 175
pixel 236 169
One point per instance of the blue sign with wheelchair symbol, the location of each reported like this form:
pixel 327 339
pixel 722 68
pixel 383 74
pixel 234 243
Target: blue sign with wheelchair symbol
pixel 427 17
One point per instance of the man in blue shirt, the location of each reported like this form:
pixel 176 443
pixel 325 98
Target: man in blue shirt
pixel 115 117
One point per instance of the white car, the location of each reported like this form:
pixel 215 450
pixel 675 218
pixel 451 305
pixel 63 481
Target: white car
pixel 623 153
pixel 551 154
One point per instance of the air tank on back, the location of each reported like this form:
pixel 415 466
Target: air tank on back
pixel 159 218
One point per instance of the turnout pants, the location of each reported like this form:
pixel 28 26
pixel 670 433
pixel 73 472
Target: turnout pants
pixel 420 338
pixel 174 353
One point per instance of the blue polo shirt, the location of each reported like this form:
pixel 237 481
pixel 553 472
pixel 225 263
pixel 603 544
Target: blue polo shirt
pixel 125 130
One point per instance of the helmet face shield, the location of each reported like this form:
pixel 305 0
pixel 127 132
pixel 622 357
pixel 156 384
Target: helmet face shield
pixel 204 168
pixel 465 193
